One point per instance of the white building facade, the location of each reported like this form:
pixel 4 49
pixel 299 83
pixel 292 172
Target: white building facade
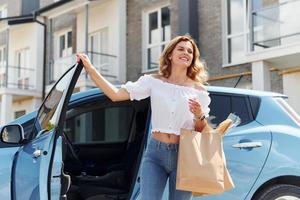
pixel 20 65
pixel 265 33
pixel 97 28
pixel 31 60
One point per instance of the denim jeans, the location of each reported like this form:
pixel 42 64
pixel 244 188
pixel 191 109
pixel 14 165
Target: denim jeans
pixel 160 163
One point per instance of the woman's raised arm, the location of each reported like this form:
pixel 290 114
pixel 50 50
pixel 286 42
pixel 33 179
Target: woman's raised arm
pixel 109 89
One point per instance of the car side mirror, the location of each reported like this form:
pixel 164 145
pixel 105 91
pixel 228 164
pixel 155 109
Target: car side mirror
pixel 12 134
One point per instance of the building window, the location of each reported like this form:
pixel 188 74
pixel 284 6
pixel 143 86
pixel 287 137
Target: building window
pixel 22 68
pixel 3 12
pixel 236 30
pixel 2 66
pixel 65 44
pixel 98 49
pixel 157 31
pixel 22 62
pixel 63 50
pixel 275 23
pixel 2 56
pixel 258 24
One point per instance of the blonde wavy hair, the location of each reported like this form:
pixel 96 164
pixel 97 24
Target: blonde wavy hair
pixel 196 71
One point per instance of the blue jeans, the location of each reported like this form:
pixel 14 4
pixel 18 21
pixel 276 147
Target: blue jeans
pixel 160 163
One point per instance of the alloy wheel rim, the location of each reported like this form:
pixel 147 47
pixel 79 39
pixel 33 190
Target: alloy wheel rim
pixel 287 197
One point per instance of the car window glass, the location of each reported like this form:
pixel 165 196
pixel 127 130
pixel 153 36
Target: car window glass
pixel 101 125
pixel 49 113
pixel 241 109
pixel 219 108
pixel 27 127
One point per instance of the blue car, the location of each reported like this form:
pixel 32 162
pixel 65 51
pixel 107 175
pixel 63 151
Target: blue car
pixel 84 146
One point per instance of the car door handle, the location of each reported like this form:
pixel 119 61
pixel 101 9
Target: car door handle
pixel 37 153
pixel 247 145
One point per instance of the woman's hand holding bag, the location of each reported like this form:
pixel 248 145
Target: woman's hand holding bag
pixel 201 160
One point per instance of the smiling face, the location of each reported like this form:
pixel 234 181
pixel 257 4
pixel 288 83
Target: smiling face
pixel 182 54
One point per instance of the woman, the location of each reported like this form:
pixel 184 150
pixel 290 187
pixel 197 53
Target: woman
pixel 178 100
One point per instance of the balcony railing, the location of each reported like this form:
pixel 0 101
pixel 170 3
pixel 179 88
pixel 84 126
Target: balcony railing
pixel 106 64
pixel 60 66
pixel 14 77
pixel 274 24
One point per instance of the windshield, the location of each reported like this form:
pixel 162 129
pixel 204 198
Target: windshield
pixel 289 110
pixel 48 114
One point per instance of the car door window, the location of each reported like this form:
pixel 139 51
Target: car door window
pixel 219 108
pixel 100 125
pixel 240 107
pixel 222 105
pixel 49 112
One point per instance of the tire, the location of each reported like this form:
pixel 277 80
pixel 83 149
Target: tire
pixel 280 192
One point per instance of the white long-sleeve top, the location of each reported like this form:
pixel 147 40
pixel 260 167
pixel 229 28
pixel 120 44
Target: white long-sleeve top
pixel 169 102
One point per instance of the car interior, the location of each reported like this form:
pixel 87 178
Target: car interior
pixel 103 148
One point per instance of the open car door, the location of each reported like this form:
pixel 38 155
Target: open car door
pixel 37 170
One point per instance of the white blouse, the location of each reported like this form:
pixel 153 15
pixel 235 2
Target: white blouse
pixel 169 102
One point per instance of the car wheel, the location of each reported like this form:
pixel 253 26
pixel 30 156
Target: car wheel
pixel 280 192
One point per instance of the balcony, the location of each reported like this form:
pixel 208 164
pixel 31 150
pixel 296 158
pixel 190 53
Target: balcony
pixel 276 25
pixel 13 77
pixel 106 64
pixel 275 32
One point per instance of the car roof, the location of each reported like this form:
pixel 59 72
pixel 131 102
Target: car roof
pixel 212 89
pixel 249 92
